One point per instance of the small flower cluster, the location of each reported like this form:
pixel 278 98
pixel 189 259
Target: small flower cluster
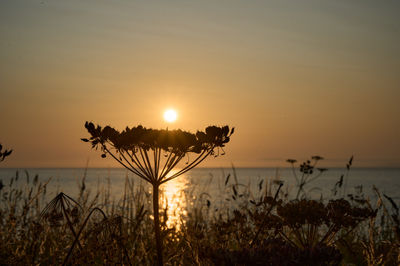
pixel 307 172
pixel 306 167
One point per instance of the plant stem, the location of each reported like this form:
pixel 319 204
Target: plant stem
pixel 157 224
pixel 266 216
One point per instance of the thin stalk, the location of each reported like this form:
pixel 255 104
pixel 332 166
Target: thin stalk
pixel 297 233
pixel 157 228
pixel 346 178
pixel 136 160
pixel 109 152
pixel 165 165
pixel 174 162
pixel 301 184
pixel 80 231
pixel 156 162
pixel 303 235
pixel 196 160
pixel 190 166
pixel 345 235
pixel 147 168
pixel 168 167
pixel 194 163
pixel 152 171
pixel 268 212
pixel 287 238
pixel 132 167
pixel 327 234
pixel 69 222
pixel 294 173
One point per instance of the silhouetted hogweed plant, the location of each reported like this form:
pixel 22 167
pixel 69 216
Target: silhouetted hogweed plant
pixel 152 154
pixel 310 223
pixel 277 232
pixel 64 211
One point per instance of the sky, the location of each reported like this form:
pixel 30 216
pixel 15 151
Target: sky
pixel 295 78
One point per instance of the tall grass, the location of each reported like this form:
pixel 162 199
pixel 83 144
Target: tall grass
pixel 248 227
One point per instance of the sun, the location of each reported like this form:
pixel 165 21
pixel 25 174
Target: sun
pixel 170 115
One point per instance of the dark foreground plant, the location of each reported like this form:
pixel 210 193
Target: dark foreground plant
pixel 152 154
pixel 273 232
pixel 4 154
pixel 250 230
pixel 309 173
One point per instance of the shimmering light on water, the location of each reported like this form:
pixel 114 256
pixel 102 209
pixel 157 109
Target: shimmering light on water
pixel 173 199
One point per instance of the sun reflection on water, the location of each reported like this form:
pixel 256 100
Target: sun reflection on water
pixel 173 199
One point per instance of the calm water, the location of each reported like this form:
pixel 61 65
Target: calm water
pixel 387 180
pixel 209 183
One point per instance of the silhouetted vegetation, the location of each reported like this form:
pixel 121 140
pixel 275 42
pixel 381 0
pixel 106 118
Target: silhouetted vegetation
pixel 132 147
pixel 4 154
pixel 258 227
pixel 308 173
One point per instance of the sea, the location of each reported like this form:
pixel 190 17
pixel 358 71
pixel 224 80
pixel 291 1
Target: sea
pixel 215 181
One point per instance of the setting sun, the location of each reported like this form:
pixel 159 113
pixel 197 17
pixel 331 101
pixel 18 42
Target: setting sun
pixel 207 132
pixel 170 115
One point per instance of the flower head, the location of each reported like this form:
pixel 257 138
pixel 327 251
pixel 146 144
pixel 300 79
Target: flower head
pixel 175 141
pixel 131 147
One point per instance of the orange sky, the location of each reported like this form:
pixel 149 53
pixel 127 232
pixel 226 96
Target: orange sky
pixel 320 77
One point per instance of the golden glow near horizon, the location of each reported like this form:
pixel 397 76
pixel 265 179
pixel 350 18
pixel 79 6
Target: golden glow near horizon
pixel 295 78
pixel 170 115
